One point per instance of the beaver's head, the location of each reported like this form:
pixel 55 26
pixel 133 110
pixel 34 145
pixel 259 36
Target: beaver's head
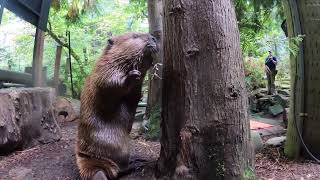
pixel 132 51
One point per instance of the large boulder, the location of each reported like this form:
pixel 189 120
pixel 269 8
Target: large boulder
pixel 276 109
pixel 27 118
pixel 276 141
pixel 282 100
pixel 256 141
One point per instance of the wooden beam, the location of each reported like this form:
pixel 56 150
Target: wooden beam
pixel 37 62
pixel 15 77
pixel 57 68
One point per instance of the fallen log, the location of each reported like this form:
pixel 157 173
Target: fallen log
pixel 16 77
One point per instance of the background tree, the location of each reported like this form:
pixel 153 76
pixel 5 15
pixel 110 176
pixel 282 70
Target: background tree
pixel 155 28
pixel 205 127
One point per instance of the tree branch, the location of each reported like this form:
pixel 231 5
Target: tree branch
pixel 64 44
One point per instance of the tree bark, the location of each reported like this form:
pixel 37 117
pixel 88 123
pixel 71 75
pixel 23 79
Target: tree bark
pixel 37 63
pixel 155 82
pixel 205 124
pixel 57 69
pixel 310 27
pixel 27 118
pixel 307 79
pixel 292 146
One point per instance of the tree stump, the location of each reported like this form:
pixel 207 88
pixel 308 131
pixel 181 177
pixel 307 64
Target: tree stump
pixel 27 118
pixel 66 109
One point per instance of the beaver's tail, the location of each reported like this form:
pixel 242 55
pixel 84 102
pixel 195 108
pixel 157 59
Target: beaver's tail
pixel 90 166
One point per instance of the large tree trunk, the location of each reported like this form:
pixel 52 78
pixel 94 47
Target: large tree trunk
pixel 306 78
pixel 205 125
pixel 155 82
pixel 292 146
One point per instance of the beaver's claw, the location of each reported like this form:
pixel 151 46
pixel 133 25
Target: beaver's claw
pixel 134 74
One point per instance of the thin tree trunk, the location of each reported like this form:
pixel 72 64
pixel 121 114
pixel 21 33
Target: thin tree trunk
pixel 37 63
pixel 155 82
pixel 205 124
pixel 57 69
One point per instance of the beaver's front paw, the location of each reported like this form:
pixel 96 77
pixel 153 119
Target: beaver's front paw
pixel 134 75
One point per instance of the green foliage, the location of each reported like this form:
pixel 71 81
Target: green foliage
pixel 91 29
pixel 153 126
pixel 254 71
pixel 294 44
pixel 249 174
pixel 91 23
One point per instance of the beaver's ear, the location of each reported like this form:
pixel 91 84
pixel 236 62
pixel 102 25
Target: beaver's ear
pixel 110 43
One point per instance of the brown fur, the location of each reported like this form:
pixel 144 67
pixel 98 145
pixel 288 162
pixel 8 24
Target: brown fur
pixel 108 104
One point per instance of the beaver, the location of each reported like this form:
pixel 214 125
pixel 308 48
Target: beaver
pixel 108 104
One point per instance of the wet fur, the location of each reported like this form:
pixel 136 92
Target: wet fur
pixel 108 105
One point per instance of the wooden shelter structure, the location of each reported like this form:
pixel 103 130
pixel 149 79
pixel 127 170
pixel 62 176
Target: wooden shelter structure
pixel 35 12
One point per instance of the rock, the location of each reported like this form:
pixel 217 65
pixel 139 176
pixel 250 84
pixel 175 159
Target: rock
pixel 66 109
pixel 27 118
pixel 21 173
pixel 253 104
pixel 282 100
pixel 263 91
pixel 256 141
pixel 136 129
pixel 264 103
pixel 276 141
pixel 140 113
pixel 284 92
pixel 142 104
pixel 276 109
pixel 285 86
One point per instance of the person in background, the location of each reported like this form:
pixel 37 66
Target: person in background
pixel 271 71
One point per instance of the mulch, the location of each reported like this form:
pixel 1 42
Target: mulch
pixel 56 161
pixel 271 164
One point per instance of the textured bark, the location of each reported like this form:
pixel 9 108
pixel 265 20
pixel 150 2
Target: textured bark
pixel 292 146
pixel 37 62
pixel 205 125
pixel 310 27
pixel 155 28
pixel 306 101
pixel 57 69
pixel 26 118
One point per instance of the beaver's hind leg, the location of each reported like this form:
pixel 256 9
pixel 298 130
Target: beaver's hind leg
pixel 96 169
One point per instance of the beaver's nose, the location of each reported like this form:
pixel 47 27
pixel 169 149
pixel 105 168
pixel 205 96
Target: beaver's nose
pixel 153 39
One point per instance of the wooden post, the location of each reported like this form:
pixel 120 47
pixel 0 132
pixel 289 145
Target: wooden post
pixel 37 78
pixel 57 68
pixel 1 9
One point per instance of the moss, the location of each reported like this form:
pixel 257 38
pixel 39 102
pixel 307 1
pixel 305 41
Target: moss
pixel 220 169
pixel 153 126
pixel 249 174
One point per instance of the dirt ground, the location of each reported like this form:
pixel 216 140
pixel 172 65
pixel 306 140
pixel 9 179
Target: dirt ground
pixel 56 161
